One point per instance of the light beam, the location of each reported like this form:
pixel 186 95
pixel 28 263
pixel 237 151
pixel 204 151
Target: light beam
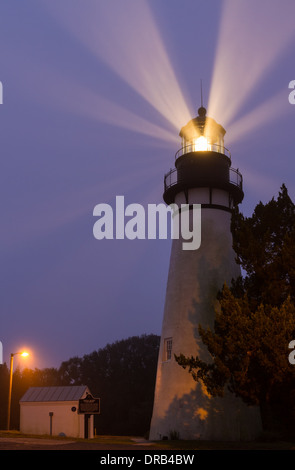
pixel 127 39
pixel 252 36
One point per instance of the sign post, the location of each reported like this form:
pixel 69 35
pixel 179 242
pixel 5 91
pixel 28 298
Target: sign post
pixel 88 406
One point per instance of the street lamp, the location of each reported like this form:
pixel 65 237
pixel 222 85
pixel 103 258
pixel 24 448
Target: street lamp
pixel 23 354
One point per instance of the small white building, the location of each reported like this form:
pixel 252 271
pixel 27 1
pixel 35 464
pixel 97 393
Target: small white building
pixel 54 411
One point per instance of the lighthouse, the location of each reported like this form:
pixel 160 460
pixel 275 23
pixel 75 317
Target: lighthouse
pixel 202 175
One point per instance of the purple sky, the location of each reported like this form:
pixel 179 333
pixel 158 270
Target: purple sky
pixel 94 94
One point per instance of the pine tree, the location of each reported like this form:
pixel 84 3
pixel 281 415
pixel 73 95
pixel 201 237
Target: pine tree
pixel 249 345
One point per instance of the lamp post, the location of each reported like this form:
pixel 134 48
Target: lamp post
pixel 23 354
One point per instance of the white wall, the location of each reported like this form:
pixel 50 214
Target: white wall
pixel 34 419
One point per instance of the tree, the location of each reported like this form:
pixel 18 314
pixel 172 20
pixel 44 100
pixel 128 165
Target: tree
pixel 4 384
pixel 264 244
pixel 122 375
pixel 22 380
pixel 256 320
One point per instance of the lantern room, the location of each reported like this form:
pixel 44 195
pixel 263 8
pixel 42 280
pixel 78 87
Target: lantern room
pixel 203 162
pixel 202 134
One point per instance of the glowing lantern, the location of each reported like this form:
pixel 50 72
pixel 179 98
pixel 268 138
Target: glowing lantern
pixel 202 134
pixel 201 143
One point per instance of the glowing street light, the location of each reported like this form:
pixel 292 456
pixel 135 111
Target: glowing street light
pixel 23 354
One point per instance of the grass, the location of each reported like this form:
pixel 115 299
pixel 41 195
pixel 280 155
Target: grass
pixel 17 434
pixel 266 442
pixel 97 439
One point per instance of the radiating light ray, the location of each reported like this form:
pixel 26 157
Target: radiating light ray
pixel 248 46
pixel 272 109
pixel 99 108
pixel 57 213
pixel 124 35
pixel 82 101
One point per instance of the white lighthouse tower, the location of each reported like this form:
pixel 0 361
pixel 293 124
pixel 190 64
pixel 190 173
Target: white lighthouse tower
pixel 202 175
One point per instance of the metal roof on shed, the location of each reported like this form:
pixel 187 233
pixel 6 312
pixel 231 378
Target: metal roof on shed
pixel 69 393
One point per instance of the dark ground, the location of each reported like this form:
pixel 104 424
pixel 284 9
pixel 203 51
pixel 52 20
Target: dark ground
pixel 14 440
pixel 42 444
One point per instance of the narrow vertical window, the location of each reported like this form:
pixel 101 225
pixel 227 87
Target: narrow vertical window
pixel 167 349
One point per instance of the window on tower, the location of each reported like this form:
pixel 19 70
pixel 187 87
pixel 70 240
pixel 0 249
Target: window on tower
pixel 167 349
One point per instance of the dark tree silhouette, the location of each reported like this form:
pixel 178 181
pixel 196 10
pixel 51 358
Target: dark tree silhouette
pixel 256 320
pixel 121 374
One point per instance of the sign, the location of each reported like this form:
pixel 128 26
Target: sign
pixel 89 405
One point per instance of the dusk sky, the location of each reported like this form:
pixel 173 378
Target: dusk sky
pixel 94 95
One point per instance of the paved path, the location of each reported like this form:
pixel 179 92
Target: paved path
pixel 33 443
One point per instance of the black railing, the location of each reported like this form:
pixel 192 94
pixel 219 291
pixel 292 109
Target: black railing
pixel 170 178
pixel 209 148
pixel 235 178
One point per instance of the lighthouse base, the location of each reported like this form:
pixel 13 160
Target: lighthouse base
pixel 182 406
pixel 197 416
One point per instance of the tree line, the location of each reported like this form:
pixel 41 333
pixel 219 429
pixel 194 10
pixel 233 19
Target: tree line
pixel 121 374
